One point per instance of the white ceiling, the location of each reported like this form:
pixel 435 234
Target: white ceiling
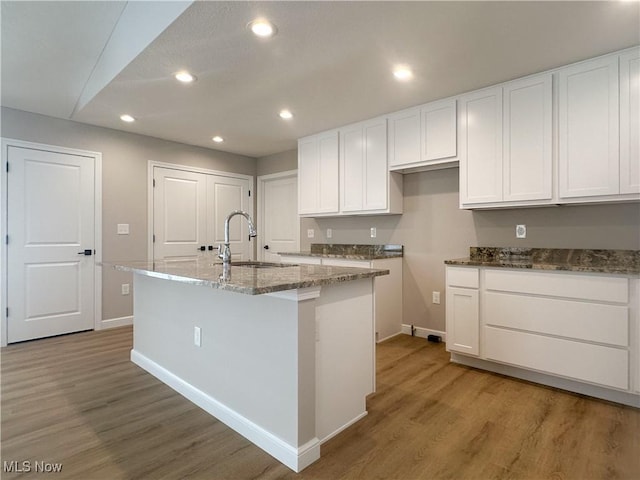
pixel 330 62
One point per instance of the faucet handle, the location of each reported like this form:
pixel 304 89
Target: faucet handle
pixel 219 250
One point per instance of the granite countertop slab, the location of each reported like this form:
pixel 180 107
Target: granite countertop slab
pixel 625 262
pixel 351 252
pixel 244 279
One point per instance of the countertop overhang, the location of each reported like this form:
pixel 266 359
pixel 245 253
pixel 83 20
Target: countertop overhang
pixel 245 279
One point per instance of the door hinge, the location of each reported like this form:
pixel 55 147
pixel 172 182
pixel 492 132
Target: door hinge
pixel 154 238
pixel 7 167
pixel 154 183
pixel 6 240
pixel 7 312
pixel 249 192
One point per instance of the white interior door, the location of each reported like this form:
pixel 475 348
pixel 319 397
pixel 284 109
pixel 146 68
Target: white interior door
pixel 50 224
pixel 189 209
pixel 224 195
pixel 179 213
pixel 279 221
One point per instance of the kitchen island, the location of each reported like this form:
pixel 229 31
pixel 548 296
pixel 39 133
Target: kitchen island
pixel 283 354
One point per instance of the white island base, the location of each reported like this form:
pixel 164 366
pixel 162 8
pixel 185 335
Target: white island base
pixel 287 370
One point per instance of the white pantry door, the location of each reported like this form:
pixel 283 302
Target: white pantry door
pixel 50 224
pixel 279 222
pixel 189 209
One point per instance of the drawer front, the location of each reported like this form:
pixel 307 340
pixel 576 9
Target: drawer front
pixel 581 320
pixel 462 277
pixel 585 287
pixel 597 364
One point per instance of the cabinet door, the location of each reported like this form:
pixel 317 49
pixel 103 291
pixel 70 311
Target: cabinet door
pixel 318 174
pixel 404 137
pixel 463 320
pixel 588 129
pixel 439 130
pixel 351 169
pixel 328 167
pixel 630 122
pixel 375 165
pixel 480 115
pixel 527 140
pixel 308 166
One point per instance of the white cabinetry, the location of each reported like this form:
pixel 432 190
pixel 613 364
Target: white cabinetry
pixel 365 182
pixel 462 310
pixel 506 144
pixel 579 328
pixel 387 293
pixel 588 129
pixel 318 167
pixel 480 116
pixel 423 138
pixel 630 122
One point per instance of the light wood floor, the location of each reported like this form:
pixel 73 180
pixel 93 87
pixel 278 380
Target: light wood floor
pixel 79 401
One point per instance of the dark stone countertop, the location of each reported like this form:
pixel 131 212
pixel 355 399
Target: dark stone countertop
pixel 625 262
pixel 350 252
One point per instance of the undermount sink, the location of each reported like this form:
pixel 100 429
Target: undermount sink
pixel 252 264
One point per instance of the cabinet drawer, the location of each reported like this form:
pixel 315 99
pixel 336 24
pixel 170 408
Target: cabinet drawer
pixel 606 366
pixel 585 287
pixel 462 277
pixel 580 320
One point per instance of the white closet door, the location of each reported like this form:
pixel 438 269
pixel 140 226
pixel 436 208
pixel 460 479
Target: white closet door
pixel 179 213
pixel 50 287
pixel 224 195
pixel 630 122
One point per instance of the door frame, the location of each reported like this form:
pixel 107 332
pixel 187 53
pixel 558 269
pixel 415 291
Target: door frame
pixel 151 164
pixel 4 214
pixel 261 181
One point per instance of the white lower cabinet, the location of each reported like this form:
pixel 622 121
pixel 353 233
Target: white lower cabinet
pixel 578 326
pixel 387 294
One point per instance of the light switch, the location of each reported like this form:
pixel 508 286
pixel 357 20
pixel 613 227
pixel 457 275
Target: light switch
pixel 123 229
pixel 310 233
pixel 373 232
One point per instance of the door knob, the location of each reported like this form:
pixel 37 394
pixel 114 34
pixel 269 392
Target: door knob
pixel 87 252
pixel 202 248
pixel 266 247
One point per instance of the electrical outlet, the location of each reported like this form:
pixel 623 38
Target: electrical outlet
pixel 329 233
pixel 123 229
pixel 125 289
pixel 197 336
pixel 521 231
pixel 373 232
pixel 310 233
pixel 435 297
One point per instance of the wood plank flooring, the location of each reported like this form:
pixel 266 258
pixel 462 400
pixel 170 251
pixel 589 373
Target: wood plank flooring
pixel 77 400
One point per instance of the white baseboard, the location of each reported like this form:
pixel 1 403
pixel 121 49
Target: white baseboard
pixel 296 458
pixel 343 427
pixel 423 332
pixel 116 322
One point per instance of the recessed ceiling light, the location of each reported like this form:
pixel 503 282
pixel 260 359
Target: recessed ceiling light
pixel 185 77
pixel 286 114
pixel 218 139
pixel 127 118
pixel 402 73
pixel 263 28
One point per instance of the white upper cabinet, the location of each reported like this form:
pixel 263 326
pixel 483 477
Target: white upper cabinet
pixel 588 129
pixel 422 138
pixel 527 142
pixel 480 117
pixel 318 166
pixel 365 183
pixel 439 131
pixel 630 122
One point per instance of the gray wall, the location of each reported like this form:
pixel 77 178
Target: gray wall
pixel 433 229
pixel 124 183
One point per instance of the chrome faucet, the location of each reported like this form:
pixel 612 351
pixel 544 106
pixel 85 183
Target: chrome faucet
pixel 224 251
